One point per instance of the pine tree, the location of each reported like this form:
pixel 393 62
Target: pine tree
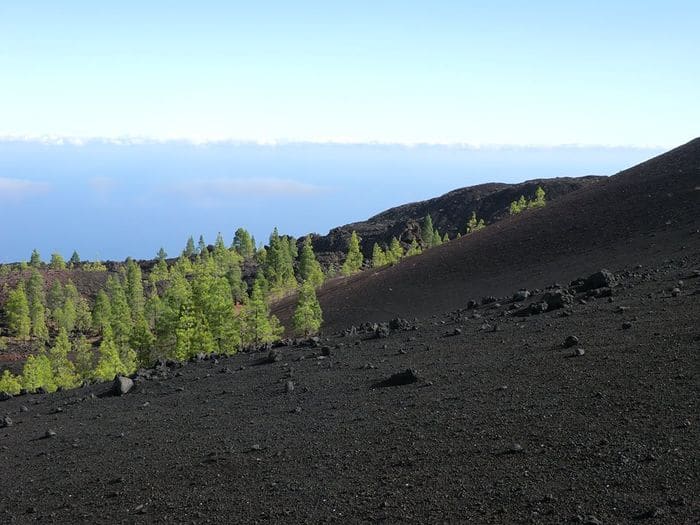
pixel 279 267
pixel 57 262
pixel 308 316
pixel 413 249
pixel 353 261
pixel 258 326
pixel 213 300
pixel 446 238
pixel 192 335
pixel 84 359
pixel 17 312
pixel 37 312
pixel 202 247
pixel 66 316
pixel 62 368
pixel 74 259
pixel 243 243
pixel 55 299
pixel 101 312
pixel 10 383
pixel 190 250
pixel 437 239
pixel 142 341
pixel 474 224
pixel 395 251
pixel 159 272
pixel 37 373
pixel 120 320
pixel 134 289
pixel 35 259
pixel 427 232
pixel 109 364
pixel 539 200
pixel 378 256
pixel 309 267
pixel 162 254
pixel 83 316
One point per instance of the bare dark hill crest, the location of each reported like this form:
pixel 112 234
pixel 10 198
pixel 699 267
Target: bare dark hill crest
pixel 646 213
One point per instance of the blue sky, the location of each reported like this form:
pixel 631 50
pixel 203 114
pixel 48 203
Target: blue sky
pixel 505 72
pixel 129 125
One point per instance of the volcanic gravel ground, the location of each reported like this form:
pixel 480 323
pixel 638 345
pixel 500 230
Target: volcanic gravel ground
pixel 504 425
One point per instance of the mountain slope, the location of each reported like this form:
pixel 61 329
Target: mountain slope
pixel 635 217
pixel 449 212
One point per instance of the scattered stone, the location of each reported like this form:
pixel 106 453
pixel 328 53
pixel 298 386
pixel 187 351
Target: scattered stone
pixel 381 331
pixel 452 333
pixel 488 300
pixel 5 422
pixel 515 448
pixel 570 341
pixel 256 447
pixel 406 377
pixel 521 295
pixel 50 434
pixel 626 325
pixel 289 386
pixel 121 385
pixel 4 396
pixel 180 389
pixel 676 292
pixel 591 520
pixel 471 304
pixel 578 352
pixel 399 324
pixel 326 351
pixel 274 356
pixel 601 279
pixel 556 299
pixel 24 408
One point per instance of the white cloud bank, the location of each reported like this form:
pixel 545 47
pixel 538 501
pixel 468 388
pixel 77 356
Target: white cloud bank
pixel 15 189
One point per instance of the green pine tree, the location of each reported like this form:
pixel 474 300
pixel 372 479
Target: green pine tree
pixel 134 289
pixel 413 249
pixel 308 317
pixel 353 261
pixel 120 320
pixel 37 311
pixel 84 359
pixel 10 383
pixel 427 232
pixel 378 256
pixel 162 254
pixel 395 251
pixel 309 268
pixel 35 259
pixel 74 259
pixel 37 373
pixel 57 262
pixel 101 312
pixel 17 313
pixel 258 326
pixel 474 224
pixel 62 368
pixel 190 250
pixel 109 363
pixel 539 200
pixel 243 243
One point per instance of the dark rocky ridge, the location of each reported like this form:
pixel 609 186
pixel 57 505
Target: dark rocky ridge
pixel 641 215
pixel 450 213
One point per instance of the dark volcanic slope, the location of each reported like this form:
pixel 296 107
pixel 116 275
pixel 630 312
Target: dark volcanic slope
pixel 506 426
pixel 449 212
pixel 633 217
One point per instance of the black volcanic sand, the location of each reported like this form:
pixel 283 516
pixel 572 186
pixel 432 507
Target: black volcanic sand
pixel 503 425
pixel 642 215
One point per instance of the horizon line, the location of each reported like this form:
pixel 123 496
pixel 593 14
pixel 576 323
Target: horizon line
pixel 139 140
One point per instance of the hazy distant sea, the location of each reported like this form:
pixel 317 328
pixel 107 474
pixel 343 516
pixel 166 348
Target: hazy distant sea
pixel 109 200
